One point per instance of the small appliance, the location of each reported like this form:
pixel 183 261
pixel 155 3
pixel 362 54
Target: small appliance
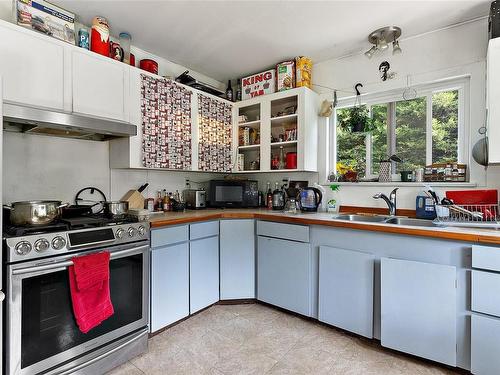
pixel 233 193
pixel 310 199
pixel 195 198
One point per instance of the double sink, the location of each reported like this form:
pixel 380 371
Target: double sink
pixel 395 220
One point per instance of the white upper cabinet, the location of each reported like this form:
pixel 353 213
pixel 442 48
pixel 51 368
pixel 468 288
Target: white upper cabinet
pixel 99 86
pixel 493 98
pixel 265 124
pixel 32 66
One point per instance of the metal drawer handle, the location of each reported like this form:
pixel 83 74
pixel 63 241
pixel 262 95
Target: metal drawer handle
pixel 67 263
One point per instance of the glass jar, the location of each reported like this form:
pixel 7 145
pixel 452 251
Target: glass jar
pixel 125 40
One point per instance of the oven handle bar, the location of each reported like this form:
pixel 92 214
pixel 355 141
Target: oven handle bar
pixel 67 263
pixel 104 355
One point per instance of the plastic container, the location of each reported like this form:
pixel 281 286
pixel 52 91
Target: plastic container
pixel 425 208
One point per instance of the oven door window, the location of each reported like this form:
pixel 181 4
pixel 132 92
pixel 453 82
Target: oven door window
pixel 48 326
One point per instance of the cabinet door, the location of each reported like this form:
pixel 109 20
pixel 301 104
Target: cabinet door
pixel 418 309
pixel 346 289
pixel 485 341
pixel 99 86
pixel 32 69
pixel 237 259
pixel 284 274
pixel 169 285
pixel 204 273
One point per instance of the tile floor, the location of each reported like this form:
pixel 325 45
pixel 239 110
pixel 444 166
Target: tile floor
pixel 256 339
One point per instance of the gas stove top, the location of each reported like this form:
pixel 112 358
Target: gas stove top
pixel 69 235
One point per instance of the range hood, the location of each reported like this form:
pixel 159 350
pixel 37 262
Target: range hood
pixel 22 119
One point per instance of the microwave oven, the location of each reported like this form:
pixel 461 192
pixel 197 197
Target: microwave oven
pixel 227 193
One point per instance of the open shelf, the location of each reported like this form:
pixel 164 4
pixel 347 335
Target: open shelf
pixel 284 120
pixel 249 147
pixel 251 124
pixel 284 144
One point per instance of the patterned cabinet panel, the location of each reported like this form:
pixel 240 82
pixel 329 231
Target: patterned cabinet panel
pixel 214 132
pixel 166 124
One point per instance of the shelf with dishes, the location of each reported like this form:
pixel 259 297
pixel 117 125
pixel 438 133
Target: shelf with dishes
pixel 279 132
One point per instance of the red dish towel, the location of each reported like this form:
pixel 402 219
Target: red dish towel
pixel 89 286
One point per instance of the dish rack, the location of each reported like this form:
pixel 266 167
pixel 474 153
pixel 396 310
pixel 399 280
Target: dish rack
pixel 469 215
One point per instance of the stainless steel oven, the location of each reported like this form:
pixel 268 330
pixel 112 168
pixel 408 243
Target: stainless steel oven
pixel 42 335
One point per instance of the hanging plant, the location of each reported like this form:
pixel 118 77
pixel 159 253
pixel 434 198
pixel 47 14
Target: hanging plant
pixel 356 119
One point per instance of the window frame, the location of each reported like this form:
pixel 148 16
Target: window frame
pixel 461 84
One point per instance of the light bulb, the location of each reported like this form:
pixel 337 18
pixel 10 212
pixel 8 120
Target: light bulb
pixel 371 52
pixel 396 49
pixel 382 44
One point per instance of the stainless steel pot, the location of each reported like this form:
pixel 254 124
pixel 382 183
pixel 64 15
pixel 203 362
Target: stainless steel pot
pixel 115 209
pixel 34 212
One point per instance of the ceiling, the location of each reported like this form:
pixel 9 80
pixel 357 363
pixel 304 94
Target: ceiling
pixel 230 39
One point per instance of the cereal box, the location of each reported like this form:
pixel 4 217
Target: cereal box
pixel 258 84
pixel 46 18
pixel 285 75
pixel 303 71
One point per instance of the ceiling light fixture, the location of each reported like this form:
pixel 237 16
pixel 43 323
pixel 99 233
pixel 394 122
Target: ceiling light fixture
pixel 381 38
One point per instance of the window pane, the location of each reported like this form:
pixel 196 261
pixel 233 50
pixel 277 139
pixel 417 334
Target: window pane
pixel 410 133
pixel 351 147
pixel 445 126
pixel 379 136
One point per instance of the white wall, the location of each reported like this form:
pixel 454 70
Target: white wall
pixel 446 53
pixel 42 167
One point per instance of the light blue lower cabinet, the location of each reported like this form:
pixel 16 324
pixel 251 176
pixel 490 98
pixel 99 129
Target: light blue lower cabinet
pixel 485 345
pixel 169 285
pixel 237 259
pixel 419 309
pixel 204 273
pixel 346 289
pixel 284 274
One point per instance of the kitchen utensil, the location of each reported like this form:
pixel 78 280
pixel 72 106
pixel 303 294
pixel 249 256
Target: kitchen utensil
pixel 149 65
pixel 310 199
pixel 134 197
pixel 480 149
pixel 34 212
pixel 115 209
pixel 195 198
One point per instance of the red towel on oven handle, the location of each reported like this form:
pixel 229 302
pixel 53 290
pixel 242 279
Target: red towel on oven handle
pixel 91 306
pixel 91 269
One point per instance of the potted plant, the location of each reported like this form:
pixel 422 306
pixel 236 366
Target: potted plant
pixel 356 120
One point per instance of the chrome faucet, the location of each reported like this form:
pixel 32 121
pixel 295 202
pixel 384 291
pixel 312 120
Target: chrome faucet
pixel 391 201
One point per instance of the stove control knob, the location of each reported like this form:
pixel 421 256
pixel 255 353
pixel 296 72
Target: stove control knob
pixel 141 230
pixel 23 248
pixel 41 245
pixel 132 232
pixel 119 233
pixel 58 243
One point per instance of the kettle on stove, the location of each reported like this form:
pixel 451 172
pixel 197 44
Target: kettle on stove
pixel 310 199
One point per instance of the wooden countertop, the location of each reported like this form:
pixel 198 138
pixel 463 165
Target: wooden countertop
pixel 487 236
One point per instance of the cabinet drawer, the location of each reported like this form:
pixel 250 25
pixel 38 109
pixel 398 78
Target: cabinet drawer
pixel 485 296
pixel 485 341
pixel 168 236
pixel 200 230
pixel 486 257
pixel 285 231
